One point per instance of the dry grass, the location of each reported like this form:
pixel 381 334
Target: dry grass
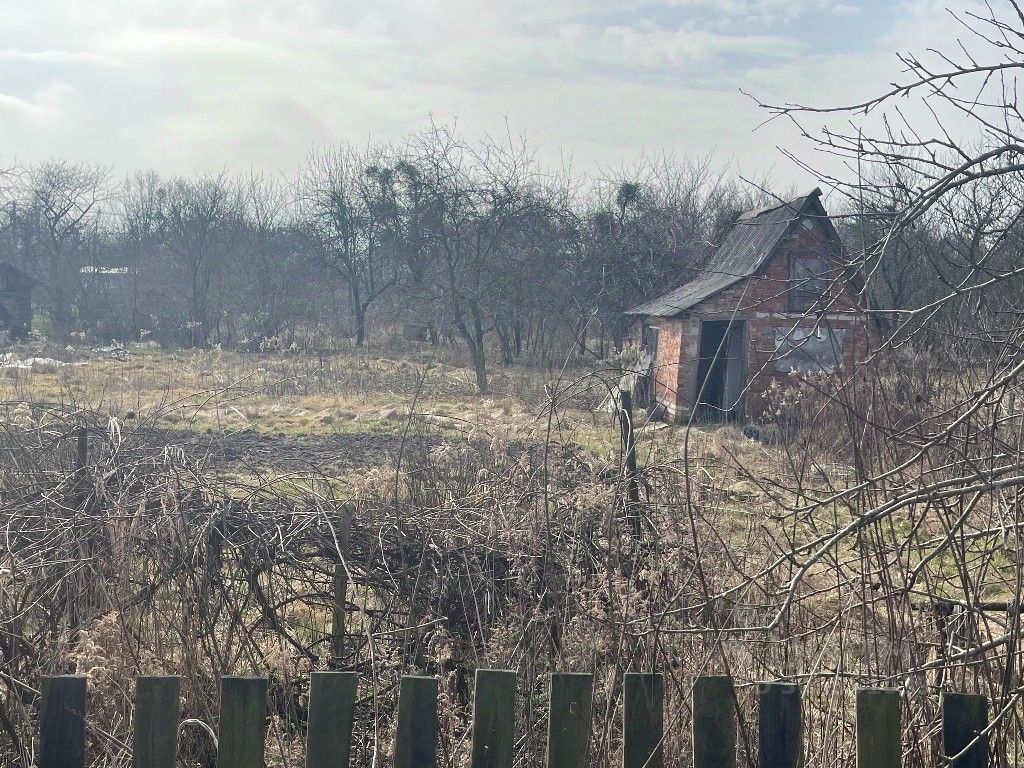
pixel 485 532
pixel 278 394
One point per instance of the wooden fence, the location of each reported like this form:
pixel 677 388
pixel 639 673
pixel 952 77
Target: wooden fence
pixel 243 723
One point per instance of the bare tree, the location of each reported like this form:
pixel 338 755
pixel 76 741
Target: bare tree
pixel 56 215
pixel 649 227
pixel 961 130
pixel 139 235
pixel 276 284
pixel 195 219
pixel 347 201
pixel 476 198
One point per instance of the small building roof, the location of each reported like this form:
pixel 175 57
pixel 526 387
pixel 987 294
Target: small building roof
pixel 93 269
pixel 749 244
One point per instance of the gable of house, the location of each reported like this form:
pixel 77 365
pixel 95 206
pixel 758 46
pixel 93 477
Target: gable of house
pixel 775 299
pixel 750 245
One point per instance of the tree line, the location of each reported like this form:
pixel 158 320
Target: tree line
pixel 475 243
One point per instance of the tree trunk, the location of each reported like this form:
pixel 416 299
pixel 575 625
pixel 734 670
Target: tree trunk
pixel 359 311
pixel 474 338
pixel 506 344
pixel 198 330
pixel 479 358
pixel 475 343
pixel 360 326
pixel 480 364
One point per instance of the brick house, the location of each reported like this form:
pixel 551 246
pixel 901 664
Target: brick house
pixel 15 301
pixel 774 301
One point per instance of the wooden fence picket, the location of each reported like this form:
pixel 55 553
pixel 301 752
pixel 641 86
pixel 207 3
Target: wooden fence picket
pixel 416 729
pixel 62 722
pixel 878 728
pixel 780 743
pixel 494 712
pixel 714 723
pixel 643 720
pixel 243 722
pixel 964 717
pixel 332 696
pixel 155 728
pixel 569 716
pixel 332 701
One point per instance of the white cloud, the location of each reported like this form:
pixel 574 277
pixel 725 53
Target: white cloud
pixel 59 57
pixel 195 85
pixel 674 48
pixel 46 107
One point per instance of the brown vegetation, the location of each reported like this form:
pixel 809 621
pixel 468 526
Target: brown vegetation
pixel 810 559
pixel 871 535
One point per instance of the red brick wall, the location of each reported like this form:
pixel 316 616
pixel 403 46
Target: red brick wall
pixel 667 362
pixel 762 303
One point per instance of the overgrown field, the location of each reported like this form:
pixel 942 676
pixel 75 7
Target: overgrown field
pixel 219 492
pixel 278 413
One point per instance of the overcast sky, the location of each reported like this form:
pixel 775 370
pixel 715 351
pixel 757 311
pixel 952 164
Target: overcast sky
pixel 186 86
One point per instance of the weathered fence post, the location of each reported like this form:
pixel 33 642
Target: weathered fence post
pixel 62 722
pixel 964 717
pixel 643 720
pixel 339 590
pixel 494 713
pixel 779 726
pixel 416 732
pixel 243 722
pixel 332 701
pixel 714 723
pixel 339 584
pixel 569 715
pixel 629 447
pixel 878 728
pixel 157 710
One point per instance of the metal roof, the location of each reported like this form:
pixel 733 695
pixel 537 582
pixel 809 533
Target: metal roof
pixel 749 244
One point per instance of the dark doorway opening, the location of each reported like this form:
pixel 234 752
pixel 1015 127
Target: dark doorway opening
pixel 720 370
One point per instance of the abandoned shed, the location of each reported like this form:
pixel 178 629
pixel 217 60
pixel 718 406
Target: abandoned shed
pixel 774 300
pixel 15 301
